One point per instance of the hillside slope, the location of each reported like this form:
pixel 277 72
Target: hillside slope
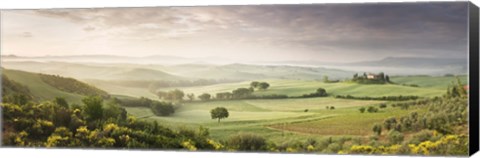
pixel 143 74
pixel 42 90
pixel 11 88
pixel 252 72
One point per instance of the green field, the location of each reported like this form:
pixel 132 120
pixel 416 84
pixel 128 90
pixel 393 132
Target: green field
pixel 40 90
pixel 300 87
pixel 429 82
pixel 282 120
pixel 259 115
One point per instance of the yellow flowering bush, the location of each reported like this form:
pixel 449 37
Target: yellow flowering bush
pixel 188 144
pixel 110 127
pixel 20 138
pixel 447 145
pixel 310 148
pixel 216 145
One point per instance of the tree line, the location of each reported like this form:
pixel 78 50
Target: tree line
pixel 158 108
pixel 386 98
pixel 177 95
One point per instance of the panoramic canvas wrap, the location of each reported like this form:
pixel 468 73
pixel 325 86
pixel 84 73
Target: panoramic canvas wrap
pixel 374 78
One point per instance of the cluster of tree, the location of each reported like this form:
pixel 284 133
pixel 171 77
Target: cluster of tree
pixel 320 92
pixel 436 130
pixel 410 85
pixel 204 97
pixel 370 109
pixel 443 115
pixel 386 98
pixel 379 78
pixel 326 80
pixel 456 89
pixel 259 85
pixel 158 108
pixel 224 96
pixel 330 107
pixel 94 124
pixel 240 93
pixel 175 95
pixel 71 85
pixel 406 104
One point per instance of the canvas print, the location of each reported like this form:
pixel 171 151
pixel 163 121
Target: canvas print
pixel 373 78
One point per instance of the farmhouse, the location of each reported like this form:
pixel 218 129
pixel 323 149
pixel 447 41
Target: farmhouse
pixel 372 76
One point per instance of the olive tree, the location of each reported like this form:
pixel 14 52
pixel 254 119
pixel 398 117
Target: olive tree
pixel 219 113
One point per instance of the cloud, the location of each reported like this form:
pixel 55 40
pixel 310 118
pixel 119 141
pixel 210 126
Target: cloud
pixel 384 27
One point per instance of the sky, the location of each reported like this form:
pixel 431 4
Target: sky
pixel 320 32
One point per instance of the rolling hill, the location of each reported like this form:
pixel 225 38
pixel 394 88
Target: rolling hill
pixel 47 87
pixel 11 88
pixel 238 72
pixel 92 71
pixel 429 82
pixel 252 72
pixel 298 88
pixel 144 74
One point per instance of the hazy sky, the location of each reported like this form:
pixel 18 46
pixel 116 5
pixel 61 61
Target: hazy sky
pixel 327 32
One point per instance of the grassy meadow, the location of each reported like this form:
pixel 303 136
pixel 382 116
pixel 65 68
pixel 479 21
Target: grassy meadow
pixel 286 119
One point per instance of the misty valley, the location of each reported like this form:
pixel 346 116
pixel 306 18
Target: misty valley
pixel 268 107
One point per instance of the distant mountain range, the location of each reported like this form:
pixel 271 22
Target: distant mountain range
pixel 397 65
pixel 153 59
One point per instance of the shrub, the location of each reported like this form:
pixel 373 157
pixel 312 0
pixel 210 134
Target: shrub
pixel 320 92
pixel 395 137
pixel 247 142
pixel 162 109
pixel 383 105
pixel 421 136
pixel 362 109
pixel 390 123
pixel 334 147
pixel 372 109
pixel 377 129
pixel 204 97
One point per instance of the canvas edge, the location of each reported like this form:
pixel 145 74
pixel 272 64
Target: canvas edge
pixel 473 78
